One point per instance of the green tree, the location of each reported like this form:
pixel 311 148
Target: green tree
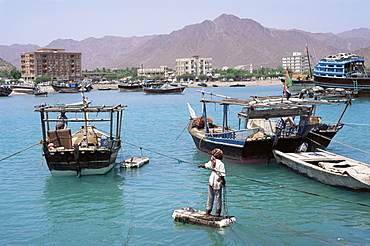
pixel 15 74
pixel 111 76
pixel 202 77
pixel 4 74
pixel 43 79
pixel 186 77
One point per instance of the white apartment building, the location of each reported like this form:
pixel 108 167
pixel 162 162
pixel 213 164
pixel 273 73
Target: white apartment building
pixel 194 65
pixel 298 63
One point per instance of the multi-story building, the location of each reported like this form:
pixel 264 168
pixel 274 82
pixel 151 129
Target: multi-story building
pixel 152 72
pixel 55 63
pixel 195 65
pixel 298 63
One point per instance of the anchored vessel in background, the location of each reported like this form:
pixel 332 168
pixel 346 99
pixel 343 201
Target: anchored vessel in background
pixel 5 90
pixel 138 86
pixel 164 89
pixel 264 124
pixel 135 86
pixel 88 150
pixel 344 70
pixel 72 87
pixel 24 88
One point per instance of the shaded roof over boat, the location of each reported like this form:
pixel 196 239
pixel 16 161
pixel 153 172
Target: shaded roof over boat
pixel 278 101
pixel 262 102
pixel 76 109
pixel 270 106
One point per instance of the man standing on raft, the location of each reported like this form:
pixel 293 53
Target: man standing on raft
pixel 216 181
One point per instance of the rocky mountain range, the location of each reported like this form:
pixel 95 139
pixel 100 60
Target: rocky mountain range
pixel 6 66
pixel 229 40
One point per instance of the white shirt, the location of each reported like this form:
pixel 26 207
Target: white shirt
pixel 217 172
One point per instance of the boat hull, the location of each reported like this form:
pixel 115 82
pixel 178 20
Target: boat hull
pixel 65 89
pixel 164 90
pixel 361 86
pixel 259 150
pixel 130 87
pixel 41 94
pixel 89 162
pixel 249 152
pixel 19 89
pixel 71 89
pixel 5 91
pixel 319 174
pixel 320 138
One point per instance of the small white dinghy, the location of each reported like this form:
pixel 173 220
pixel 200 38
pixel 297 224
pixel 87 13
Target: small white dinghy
pixel 134 162
pixel 198 217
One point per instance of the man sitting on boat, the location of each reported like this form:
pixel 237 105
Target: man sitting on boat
pixel 216 181
pixel 62 124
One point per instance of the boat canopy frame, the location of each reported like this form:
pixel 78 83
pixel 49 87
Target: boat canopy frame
pixel 259 107
pixel 112 110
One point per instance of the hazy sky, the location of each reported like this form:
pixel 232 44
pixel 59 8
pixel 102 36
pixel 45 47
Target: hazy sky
pixel 42 21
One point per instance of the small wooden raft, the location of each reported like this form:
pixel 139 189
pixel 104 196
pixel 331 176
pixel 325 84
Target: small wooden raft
pixel 134 162
pixel 198 217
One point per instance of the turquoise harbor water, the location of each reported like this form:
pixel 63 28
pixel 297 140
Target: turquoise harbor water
pixel 134 207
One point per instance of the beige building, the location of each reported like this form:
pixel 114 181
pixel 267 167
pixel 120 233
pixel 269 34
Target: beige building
pixel 297 62
pixel 152 72
pixel 194 65
pixel 55 63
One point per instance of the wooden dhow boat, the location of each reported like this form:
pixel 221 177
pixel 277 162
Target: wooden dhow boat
pixel 87 150
pixel 132 86
pixel 71 87
pixel 263 124
pixel 40 93
pixel 328 168
pixel 343 70
pixel 5 90
pixel 164 90
pixel 24 88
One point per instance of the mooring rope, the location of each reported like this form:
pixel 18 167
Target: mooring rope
pixel 307 235
pixel 253 180
pixel 347 124
pixel 181 132
pixel 226 213
pixel 18 152
pixel 330 139
pixel 153 151
pixel 129 232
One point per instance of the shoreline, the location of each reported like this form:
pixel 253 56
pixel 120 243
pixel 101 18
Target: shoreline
pixel 270 82
pixel 243 83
